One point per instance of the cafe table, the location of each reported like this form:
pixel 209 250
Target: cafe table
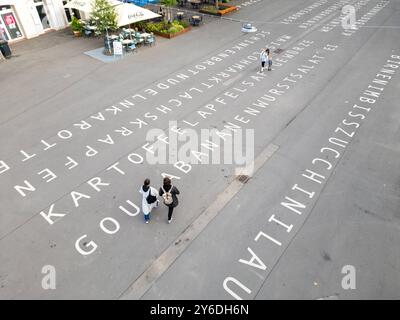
pixel 195 3
pixel 92 28
pixel 127 42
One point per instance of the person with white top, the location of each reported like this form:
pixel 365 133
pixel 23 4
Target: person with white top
pixel 263 58
pixel 149 200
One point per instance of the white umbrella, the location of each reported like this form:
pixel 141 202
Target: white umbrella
pixel 129 13
pixel 86 5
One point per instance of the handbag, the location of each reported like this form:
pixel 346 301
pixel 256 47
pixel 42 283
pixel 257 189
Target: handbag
pixel 150 198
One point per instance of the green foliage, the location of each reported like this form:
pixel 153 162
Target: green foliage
pixel 175 28
pixel 166 27
pixel 210 9
pixel 76 24
pixel 140 25
pixel 169 3
pixel 105 16
pixel 183 23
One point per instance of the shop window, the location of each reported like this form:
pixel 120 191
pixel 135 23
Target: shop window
pixel 41 10
pixel 9 28
pixel 69 13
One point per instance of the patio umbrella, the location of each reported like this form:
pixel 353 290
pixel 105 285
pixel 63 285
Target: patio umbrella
pixel 86 5
pixel 129 13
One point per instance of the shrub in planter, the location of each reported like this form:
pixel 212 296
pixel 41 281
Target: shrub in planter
pixel 167 27
pixel 76 26
pixel 175 28
pixel 209 9
pixel 182 23
pixel 222 9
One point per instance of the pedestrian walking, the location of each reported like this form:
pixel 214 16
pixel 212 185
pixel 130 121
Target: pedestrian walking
pixel 263 58
pixel 168 192
pixel 269 61
pixel 149 200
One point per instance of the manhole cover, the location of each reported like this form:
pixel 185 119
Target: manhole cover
pixel 243 178
pixel 278 51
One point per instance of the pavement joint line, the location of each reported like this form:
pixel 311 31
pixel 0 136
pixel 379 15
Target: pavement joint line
pixel 145 281
pixel 232 80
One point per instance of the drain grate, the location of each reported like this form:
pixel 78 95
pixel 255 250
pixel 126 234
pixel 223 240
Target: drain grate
pixel 279 50
pixel 243 178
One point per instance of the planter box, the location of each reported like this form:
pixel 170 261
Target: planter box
pixel 172 35
pixel 223 9
pixel 77 33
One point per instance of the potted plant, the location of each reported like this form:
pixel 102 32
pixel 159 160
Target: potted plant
pixel 76 26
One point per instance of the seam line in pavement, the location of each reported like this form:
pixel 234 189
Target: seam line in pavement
pixel 145 281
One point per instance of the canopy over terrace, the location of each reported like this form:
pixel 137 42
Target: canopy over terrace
pixel 86 5
pixel 129 13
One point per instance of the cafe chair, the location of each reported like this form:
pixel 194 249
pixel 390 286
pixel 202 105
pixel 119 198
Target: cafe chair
pixel 131 48
pixel 150 40
pixel 180 16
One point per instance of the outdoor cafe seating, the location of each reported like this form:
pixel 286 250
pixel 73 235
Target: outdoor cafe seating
pixel 180 15
pixel 131 47
pixel 131 38
pixel 126 14
pixel 89 29
pixel 195 20
pixel 150 39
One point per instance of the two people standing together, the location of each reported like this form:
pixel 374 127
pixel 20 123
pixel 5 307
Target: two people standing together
pixel 167 191
pixel 265 56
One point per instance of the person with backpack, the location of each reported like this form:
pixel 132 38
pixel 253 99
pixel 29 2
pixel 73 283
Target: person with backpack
pixel 149 200
pixel 269 61
pixel 168 192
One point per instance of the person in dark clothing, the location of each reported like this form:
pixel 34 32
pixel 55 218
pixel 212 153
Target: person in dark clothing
pixel 269 62
pixel 169 193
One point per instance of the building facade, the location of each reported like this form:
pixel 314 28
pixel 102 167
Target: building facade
pixel 24 19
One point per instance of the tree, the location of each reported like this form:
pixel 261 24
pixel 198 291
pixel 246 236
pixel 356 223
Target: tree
pixel 104 15
pixel 169 4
